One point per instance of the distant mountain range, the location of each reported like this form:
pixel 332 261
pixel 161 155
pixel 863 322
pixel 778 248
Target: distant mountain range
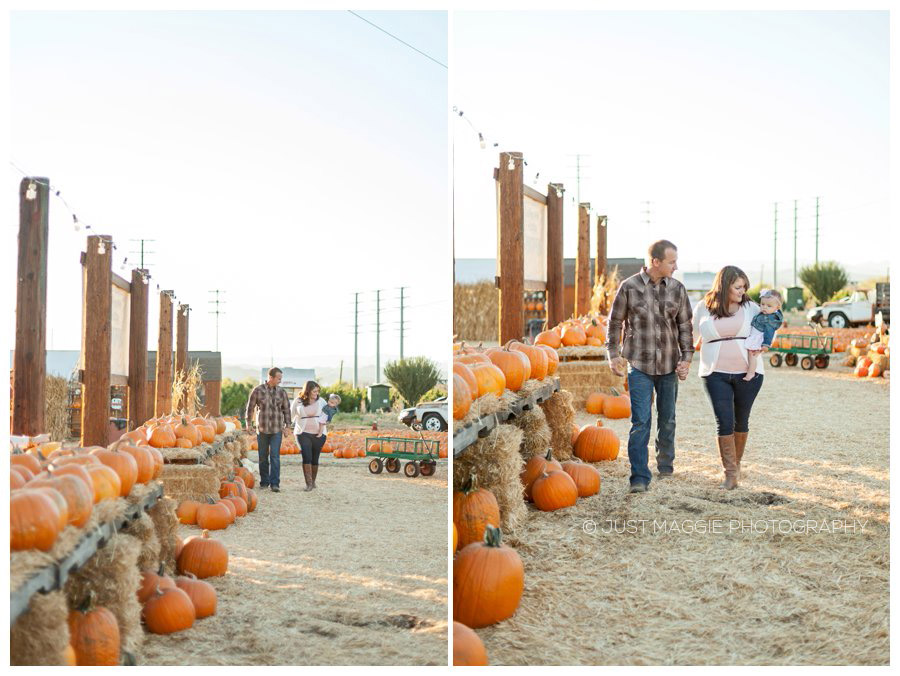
pixel 325 375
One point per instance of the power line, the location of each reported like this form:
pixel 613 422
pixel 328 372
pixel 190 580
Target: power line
pixel 427 56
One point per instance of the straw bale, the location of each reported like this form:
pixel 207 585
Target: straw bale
pixel 560 416
pixel 166 524
pixel 190 482
pixel 582 378
pixel 183 454
pixel 56 408
pixel 497 464
pixel 41 634
pixel 144 530
pixel 475 311
pixel 596 352
pixel 537 437
pixel 23 565
pixel 113 575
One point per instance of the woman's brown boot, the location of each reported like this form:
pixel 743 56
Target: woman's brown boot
pixel 727 453
pixel 315 471
pixel 307 474
pixel 740 441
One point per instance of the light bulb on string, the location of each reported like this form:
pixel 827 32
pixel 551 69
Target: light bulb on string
pixel 31 191
pixel 101 247
pixel 481 141
pixel 511 165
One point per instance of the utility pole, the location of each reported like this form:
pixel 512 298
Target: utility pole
pixel 795 242
pixel 775 251
pixel 579 169
pixel 401 321
pixel 216 303
pixel 817 230
pixel 142 252
pixel 378 336
pixel 355 338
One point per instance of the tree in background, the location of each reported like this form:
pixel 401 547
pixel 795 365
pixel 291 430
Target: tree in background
pixel 412 377
pixel 351 397
pixel 823 279
pixel 235 396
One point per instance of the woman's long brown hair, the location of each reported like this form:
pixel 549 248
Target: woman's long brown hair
pixel 716 298
pixel 305 393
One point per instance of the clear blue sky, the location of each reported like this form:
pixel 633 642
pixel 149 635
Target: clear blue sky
pixel 710 116
pixel 290 158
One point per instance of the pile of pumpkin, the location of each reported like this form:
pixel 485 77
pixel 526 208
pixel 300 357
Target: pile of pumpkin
pixel 477 371
pixel 587 330
pixel 182 431
pixel 236 499
pixel 614 406
pixel 870 359
pixel 167 605
pixel 52 487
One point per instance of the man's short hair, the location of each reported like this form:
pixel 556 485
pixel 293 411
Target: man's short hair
pixel 658 249
pixel 274 371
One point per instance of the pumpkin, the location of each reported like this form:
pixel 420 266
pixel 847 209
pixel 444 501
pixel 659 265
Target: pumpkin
pixel 535 467
pixel 861 371
pixel 84 459
pixel 251 500
pixel 26 460
pixel 338 453
pixel 462 398
pixel 536 357
pixel 874 371
pixel 573 334
pixel 94 635
pixel 187 511
pixel 247 475
pixel 202 594
pixel 122 464
pixel 239 503
pixel 594 342
pixel 455 537
pixel 69 659
pixel 146 465
pixel 33 520
pixel 464 372
pixel 554 490
pixel 62 506
pixel 594 403
pixel 595 444
pixel 183 443
pixel 549 338
pixel 186 430
pixel 514 365
pixel 78 495
pixel 161 436
pixel 617 406
pixel 595 330
pixel 137 436
pixel 232 510
pixel 206 429
pixel 215 516
pixel 488 580
pixel 151 581
pixel 490 379
pixel 23 472
pixel 179 545
pixel 473 509
pixel 219 422
pixel 586 477
pixel 470 356
pixel 468 650
pixel 105 482
pixel 16 480
pixel 168 611
pixel 552 358
pixel 203 556
pixel 574 436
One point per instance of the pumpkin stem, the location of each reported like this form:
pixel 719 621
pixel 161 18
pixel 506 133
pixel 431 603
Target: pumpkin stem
pixel 205 534
pixel 87 604
pixel 128 659
pixel 470 485
pixel 492 535
pixel 549 455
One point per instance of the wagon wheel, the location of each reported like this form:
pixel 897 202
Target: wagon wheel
pixel 790 359
pixel 411 469
pixel 775 359
pixel 822 361
pixel 376 466
pixel 427 468
pixel 806 363
pixel 392 465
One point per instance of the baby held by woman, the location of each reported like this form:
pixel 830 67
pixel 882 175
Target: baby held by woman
pixel 763 328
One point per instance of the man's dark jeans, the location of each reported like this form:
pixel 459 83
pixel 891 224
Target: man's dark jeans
pixel 269 449
pixel 641 386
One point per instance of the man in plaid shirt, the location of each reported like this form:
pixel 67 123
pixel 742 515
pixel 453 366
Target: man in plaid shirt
pixel 658 346
pixel 274 419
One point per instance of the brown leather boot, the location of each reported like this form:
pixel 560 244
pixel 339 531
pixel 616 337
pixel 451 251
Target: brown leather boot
pixel 740 441
pixel 315 471
pixel 307 474
pixel 727 453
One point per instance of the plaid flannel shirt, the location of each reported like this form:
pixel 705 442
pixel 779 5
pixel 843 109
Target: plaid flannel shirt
pixel 657 324
pixel 274 408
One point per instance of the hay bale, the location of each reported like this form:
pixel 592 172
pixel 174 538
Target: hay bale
pixel 56 408
pixel 144 530
pixel 560 416
pixel 196 454
pixel 190 482
pixel 166 524
pixel 595 352
pixel 582 378
pixel 496 463
pixel 41 634
pixel 475 311
pixel 113 575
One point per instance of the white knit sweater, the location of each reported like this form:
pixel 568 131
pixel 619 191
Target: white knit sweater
pixel 704 327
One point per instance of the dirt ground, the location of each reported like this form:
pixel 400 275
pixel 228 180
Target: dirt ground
pixel 628 579
pixel 354 572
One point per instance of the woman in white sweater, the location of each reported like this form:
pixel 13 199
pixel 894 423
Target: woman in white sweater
pixel 722 322
pixel 309 426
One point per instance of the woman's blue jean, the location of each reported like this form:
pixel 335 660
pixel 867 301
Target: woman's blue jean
pixel 732 399
pixel 310 447
pixel 641 387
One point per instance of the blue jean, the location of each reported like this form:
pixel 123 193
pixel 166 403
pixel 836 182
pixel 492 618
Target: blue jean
pixel 640 387
pixel 310 447
pixel 732 399
pixel 269 449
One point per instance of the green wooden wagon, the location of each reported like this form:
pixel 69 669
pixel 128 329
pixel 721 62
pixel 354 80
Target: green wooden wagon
pixel 388 453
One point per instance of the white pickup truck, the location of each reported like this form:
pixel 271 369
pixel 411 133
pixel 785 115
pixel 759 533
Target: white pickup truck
pixel 858 308
pixel 431 416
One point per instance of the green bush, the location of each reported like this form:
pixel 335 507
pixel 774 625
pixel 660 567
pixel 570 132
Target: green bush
pixel 351 397
pixel 235 395
pixel 841 293
pixel 823 279
pixel 434 393
pixel 412 377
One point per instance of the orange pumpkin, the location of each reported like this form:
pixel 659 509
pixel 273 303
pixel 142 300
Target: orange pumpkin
pixel 34 520
pixel 203 556
pixel 122 464
pixel 473 510
pixel 586 477
pixel 573 335
pixel 536 357
pixel 105 482
pixel 490 379
pixel 617 406
pixel 515 366
pixel 554 490
pixel 594 403
pixel 552 358
pixel 94 635
pixel 488 580
pixel 534 468
pixel 462 397
pixel 596 444
pixel 549 338
pixel 468 650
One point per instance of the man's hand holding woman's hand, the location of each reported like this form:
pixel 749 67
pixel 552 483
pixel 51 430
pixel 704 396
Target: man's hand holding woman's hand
pixel 618 365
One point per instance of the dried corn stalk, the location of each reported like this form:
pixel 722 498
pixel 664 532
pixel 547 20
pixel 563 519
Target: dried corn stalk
pixel 186 390
pixel 604 292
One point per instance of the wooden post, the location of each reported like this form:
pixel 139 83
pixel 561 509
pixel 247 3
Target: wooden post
pixel 97 341
pixel 182 366
pixel 583 262
pixel 511 248
pixel 138 411
pixel 213 403
pixel 164 356
pixel 555 274
pixel 600 263
pixel 30 359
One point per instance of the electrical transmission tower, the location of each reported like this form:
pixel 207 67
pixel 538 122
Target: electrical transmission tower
pixel 141 250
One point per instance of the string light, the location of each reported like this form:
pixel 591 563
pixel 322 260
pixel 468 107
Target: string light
pixel 31 191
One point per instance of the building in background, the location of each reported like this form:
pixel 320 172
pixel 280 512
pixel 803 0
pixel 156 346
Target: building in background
pixel 292 380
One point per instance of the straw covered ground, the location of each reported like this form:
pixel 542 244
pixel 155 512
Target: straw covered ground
pixel 352 573
pixel 620 579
